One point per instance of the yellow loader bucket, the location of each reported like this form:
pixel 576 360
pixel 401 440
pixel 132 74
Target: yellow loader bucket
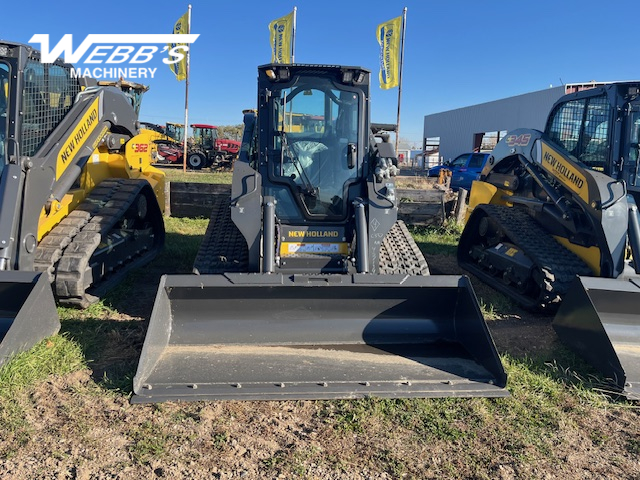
pixel 27 312
pixel 274 337
pixel 600 319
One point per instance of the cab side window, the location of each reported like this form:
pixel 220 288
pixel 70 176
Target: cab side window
pixel 582 128
pixel 48 95
pixel 563 126
pixel 595 136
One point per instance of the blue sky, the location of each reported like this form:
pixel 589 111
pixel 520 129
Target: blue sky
pixel 457 53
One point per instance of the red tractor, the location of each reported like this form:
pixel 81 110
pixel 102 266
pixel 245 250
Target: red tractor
pixel 204 150
pixel 209 150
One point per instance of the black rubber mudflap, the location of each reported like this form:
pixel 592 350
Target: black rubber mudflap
pixel 600 320
pixel 275 337
pixel 28 312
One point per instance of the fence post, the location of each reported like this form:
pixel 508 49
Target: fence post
pixel 167 198
pixel 461 205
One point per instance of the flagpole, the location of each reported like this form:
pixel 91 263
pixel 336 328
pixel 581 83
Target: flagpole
pixel 404 23
pixel 293 40
pixel 186 99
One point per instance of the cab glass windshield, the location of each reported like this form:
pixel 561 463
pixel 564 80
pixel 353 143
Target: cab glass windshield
pixel 317 125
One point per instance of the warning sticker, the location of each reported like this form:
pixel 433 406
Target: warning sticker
pixel 290 248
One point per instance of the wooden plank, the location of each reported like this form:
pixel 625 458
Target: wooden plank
pixel 200 188
pixel 420 208
pixel 196 199
pixel 420 213
pixel 421 220
pixel 433 196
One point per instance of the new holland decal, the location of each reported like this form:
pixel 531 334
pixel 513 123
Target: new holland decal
pixel 563 170
pixel 307 234
pixel 78 136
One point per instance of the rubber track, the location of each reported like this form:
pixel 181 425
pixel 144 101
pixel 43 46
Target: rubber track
pixel 557 264
pixel 66 251
pixel 223 248
pixel 400 254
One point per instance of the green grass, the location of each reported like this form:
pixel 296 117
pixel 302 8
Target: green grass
pixel 110 332
pixel 149 441
pixel 184 236
pixel 546 401
pixel 57 355
pixel 444 240
pixel 203 176
pixel 86 333
pixel 438 240
pixel 549 401
pixel 494 304
pixel 98 310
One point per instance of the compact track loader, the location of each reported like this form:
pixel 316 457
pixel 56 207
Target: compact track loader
pixel 149 134
pixel 79 200
pixel 307 285
pixel 555 205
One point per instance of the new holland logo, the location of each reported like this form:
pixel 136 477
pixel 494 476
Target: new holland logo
pixel 313 234
pixel 563 170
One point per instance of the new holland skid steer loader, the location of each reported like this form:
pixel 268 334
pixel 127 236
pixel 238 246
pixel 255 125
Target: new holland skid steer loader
pixel 308 286
pixel 78 197
pixel 550 206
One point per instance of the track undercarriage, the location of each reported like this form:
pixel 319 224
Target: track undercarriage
pixel 116 228
pixel 223 248
pixel 507 249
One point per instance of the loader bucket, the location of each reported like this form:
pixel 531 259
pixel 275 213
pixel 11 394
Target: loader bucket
pixel 274 337
pixel 28 312
pixel 600 319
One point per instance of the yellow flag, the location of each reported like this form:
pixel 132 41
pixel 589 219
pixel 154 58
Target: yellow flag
pixel 280 34
pixel 179 68
pixel 389 34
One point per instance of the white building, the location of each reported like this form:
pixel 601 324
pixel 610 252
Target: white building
pixel 479 127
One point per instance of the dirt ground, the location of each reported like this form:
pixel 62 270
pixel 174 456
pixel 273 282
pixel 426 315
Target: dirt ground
pixel 73 428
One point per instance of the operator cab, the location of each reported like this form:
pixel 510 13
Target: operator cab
pixel 48 92
pixel 317 147
pixel 175 131
pixel 587 125
pixel 205 136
